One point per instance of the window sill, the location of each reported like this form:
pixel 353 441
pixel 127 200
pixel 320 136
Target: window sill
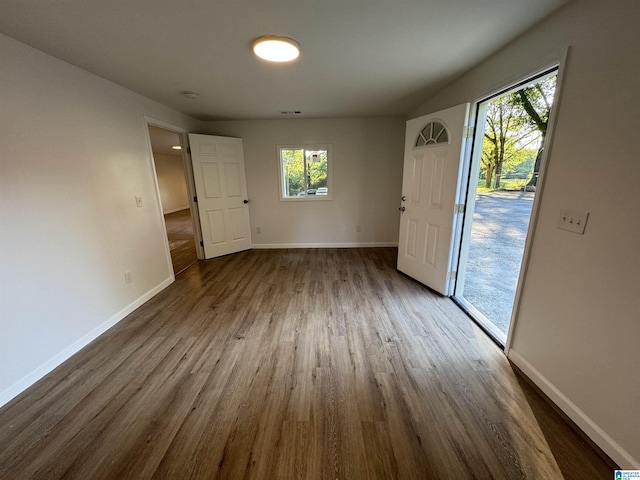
pixel 311 198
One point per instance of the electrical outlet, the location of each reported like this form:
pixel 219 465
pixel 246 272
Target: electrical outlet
pixel 128 276
pixel 573 221
pixel 139 200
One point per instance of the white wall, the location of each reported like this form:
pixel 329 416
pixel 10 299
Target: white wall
pixel 171 181
pixel 74 155
pixel 367 157
pixel 578 329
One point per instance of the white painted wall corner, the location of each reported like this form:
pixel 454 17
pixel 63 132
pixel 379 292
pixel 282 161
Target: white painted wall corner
pixel 588 426
pixel 37 374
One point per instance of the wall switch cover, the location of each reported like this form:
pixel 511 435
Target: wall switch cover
pixel 573 221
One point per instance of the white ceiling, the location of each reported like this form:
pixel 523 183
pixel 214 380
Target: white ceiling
pixel 359 57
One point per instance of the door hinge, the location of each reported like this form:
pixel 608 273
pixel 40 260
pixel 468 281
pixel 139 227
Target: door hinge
pixel 452 276
pixel 467 132
pixel 195 199
pixel 459 208
pixel 201 243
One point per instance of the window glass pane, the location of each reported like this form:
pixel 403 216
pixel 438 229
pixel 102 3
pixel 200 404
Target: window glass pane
pixel 292 172
pixel 304 172
pixel 317 171
pixel 437 130
pixel 431 134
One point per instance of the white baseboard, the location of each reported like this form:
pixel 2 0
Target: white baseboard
pixel 258 246
pixel 35 375
pixel 588 426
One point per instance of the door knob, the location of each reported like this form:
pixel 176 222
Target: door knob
pixel 403 198
pixel 402 209
pixel 245 201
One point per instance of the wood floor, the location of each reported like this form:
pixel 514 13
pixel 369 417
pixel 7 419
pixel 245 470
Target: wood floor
pixel 284 364
pixel 181 241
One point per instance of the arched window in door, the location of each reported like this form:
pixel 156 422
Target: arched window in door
pixel 434 133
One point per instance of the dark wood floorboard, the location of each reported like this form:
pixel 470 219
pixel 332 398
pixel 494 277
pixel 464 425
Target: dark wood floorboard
pixel 282 364
pixel 181 240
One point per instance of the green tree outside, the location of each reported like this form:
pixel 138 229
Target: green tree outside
pixel 296 163
pixel 514 133
pixel 293 171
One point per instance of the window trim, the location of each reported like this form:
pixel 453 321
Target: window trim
pixel 305 146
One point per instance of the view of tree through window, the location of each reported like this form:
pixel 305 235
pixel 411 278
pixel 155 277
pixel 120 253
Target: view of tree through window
pixel 304 172
pixel 514 134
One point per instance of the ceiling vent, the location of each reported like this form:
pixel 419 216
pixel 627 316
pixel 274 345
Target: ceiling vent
pixel 290 112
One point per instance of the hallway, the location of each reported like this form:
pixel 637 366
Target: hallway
pixel 181 240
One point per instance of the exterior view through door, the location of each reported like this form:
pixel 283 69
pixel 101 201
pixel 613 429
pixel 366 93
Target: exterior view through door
pixel 507 152
pixel 478 260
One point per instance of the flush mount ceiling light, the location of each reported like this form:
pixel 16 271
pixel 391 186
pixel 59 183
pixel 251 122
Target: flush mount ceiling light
pixel 176 147
pixel 276 49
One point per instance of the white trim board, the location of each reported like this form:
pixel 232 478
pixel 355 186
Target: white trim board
pixel 588 426
pixel 262 246
pixel 25 382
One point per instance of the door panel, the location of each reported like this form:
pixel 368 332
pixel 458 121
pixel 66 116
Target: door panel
pixel 216 226
pixel 238 230
pixel 431 244
pixel 416 187
pixel 218 168
pixel 211 180
pixel 437 179
pixel 430 186
pixel 232 174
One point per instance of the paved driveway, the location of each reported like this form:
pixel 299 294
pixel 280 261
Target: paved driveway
pixel 498 235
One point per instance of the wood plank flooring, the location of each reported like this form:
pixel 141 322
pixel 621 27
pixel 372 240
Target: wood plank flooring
pixel 283 364
pixel 181 240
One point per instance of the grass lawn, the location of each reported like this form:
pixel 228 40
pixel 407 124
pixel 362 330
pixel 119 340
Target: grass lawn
pixel 505 184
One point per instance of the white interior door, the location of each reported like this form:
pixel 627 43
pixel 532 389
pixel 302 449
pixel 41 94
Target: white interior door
pixel 221 188
pixel 430 185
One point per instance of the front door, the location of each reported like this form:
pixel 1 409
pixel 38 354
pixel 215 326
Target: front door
pixel 431 179
pixel 221 188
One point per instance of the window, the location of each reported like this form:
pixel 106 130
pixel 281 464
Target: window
pixel 432 134
pixel 305 172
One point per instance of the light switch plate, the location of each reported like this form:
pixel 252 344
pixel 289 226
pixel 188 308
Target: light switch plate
pixel 139 200
pixel 573 221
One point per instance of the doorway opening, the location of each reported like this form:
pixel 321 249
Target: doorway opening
pixel 173 187
pixel 510 131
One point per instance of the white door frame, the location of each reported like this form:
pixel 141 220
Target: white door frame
pixel 188 173
pixel 559 64
pixel 191 190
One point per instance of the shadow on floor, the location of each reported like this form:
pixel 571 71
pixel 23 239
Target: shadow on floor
pixel 557 429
